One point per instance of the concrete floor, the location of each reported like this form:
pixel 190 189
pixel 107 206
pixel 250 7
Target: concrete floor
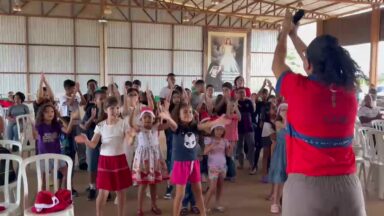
pixel 245 198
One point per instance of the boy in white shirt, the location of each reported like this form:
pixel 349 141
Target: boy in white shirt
pixel 68 103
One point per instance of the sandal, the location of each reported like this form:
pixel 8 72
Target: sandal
pixel 184 211
pixel 156 210
pixel 195 210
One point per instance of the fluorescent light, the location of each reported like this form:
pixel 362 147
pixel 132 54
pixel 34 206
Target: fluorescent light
pixel 103 20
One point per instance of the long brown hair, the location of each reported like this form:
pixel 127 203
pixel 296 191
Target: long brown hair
pixel 40 113
pixel 176 111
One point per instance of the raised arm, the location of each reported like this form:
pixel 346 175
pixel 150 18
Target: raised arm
pixel 300 46
pixel 207 125
pixel 164 114
pixel 40 92
pixel 278 64
pixel 82 98
pixel 67 129
pixel 49 89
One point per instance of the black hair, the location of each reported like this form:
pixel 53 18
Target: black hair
pixel 264 91
pixel 104 88
pixel 238 77
pixel 187 89
pixel 136 82
pixel 44 88
pixel 65 119
pixel 133 90
pixel 209 86
pixel 111 101
pixel 331 63
pixel 128 83
pixel 227 85
pixel 69 83
pixel 171 75
pixel 200 82
pixel 100 91
pixel 213 133
pixel 176 111
pixel 40 113
pixel 21 96
pixel 178 89
pixel 92 80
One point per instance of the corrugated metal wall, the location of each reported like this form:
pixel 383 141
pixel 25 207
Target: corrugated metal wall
pixel 69 49
pixel 263 43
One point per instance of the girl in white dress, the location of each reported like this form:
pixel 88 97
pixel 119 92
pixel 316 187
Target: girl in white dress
pixel 148 167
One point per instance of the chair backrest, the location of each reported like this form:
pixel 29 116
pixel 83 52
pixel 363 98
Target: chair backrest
pixel 6 187
pixel 374 149
pixel 363 139
pixel 25 129
pixel 8 144
pixel 378 124
pixel 45 158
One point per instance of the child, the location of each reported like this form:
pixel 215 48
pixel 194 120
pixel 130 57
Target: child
pixel 232 136
pixel 44 94
pixel 186 167
pixel 217 148
pixel 277 173
pixel 174 102
pixel 94 114
pixel 68 103
pixel 246 136
pixel 47 132
pixel 267 137
pixel 148 165
pixel 113 173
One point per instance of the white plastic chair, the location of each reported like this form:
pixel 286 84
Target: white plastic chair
pixel 9 144
pixel 378 125
pixel 25 132
pixel 44 158
pixel 12 207
pixel 374 153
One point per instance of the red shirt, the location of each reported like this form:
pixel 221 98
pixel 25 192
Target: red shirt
pixel 247 92
pixel 319 134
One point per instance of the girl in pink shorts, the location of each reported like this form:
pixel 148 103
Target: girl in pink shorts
pixel 186 167
pixel 217 147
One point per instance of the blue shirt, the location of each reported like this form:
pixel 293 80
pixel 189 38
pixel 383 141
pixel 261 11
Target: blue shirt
pixel 184 143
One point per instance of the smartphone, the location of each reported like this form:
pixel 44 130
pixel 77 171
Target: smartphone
pixel 298 16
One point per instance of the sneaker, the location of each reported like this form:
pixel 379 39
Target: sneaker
pixel 220 209
pixel 83 166
pixel 75 193
pixel 91 194
pixel 167 196
pixel 253 172
pixel 275 209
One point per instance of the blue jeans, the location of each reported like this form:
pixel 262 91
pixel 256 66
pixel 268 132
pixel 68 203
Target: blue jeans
pixel 12 133
pixel 188 198
pixel 169 138
pixel 231 172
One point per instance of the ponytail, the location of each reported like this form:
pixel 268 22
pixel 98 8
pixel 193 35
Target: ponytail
pixel 331 63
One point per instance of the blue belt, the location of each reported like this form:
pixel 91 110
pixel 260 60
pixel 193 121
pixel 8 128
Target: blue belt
pixel 320 142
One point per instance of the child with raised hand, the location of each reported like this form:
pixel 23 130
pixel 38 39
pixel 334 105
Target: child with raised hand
pixel 44 94
pixel 186 167
pixel 277 173
pixel 148 168
pixel 217 147
pixel 232 135
pixel 47 132
pixel 113 173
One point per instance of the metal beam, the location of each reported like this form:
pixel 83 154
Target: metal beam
pixel 52 8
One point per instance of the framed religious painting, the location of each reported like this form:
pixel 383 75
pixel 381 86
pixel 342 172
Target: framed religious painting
pixel 227 57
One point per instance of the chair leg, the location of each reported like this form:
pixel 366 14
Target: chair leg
pixel 368 180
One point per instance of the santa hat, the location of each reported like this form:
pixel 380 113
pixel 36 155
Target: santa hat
pixel 204 116
pixel 46 202
pixel 217 126
pixel 146 110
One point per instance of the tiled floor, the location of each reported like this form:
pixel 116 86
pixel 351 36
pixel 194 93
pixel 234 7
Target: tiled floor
pixel 245 198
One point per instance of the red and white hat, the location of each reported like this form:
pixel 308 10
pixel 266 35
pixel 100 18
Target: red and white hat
pixel 217 126
pixel 146 110
pixel 46 202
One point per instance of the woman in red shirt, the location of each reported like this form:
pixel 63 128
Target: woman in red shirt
pixel 320 124
pixel 239 83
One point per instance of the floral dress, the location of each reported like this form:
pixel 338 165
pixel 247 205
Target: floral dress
pixel 148 164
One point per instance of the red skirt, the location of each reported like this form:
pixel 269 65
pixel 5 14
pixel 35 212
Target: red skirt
pixel 113 173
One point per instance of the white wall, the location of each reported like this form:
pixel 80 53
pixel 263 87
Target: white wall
pixel 70 49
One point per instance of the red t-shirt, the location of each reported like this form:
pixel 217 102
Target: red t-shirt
pixel 247 92
pixel 319 134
